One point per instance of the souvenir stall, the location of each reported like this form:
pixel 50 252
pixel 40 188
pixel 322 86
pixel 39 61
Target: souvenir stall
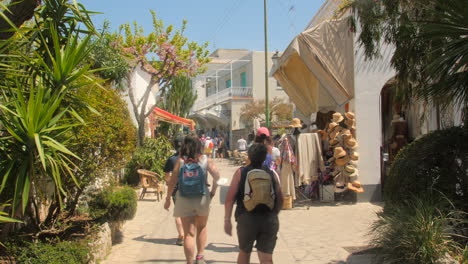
pixel 160 115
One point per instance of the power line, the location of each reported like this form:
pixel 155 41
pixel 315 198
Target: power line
pixel 229 12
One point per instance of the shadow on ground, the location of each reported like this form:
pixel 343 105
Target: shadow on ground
pixel 222 247
pixel 181 261
pixel 163 241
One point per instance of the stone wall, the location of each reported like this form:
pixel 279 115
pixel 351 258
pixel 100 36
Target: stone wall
pixel 102 244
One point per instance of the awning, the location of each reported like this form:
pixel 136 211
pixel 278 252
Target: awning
pixel 317 68
pixel 165 116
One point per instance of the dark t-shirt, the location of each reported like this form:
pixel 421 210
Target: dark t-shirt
pixel 169 167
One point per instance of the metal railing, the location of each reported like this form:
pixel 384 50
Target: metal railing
pixel 222 96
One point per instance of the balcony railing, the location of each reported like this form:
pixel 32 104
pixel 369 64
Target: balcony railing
pixel 222 96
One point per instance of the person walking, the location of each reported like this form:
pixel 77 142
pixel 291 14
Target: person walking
pixel 241 144
pixel 193 196
pixel 221 147
pixel 256 208
pixel 168 168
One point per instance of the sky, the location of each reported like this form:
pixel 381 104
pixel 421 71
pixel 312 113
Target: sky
pixel 229 24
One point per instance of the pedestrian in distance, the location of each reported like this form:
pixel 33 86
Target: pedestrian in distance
pixel 256 191
pixel 193 196
pixel 168 168
pixel 241 144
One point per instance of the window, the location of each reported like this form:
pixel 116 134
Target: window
pixel 243 77
pixel 228 83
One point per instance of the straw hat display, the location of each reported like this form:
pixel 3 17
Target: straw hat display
pixel 344 161
pixel 296 122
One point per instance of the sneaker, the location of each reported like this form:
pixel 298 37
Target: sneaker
pixel 200 260
pixel 179 241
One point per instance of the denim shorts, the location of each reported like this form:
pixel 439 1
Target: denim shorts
pixel 262 228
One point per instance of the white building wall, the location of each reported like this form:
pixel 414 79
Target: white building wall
pixel 258 74
pixel 140 80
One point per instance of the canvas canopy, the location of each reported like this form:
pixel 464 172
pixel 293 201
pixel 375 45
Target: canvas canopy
pixel 317 68
pixel 165 116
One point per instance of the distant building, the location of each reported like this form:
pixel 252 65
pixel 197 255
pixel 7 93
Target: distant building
pixel 234 77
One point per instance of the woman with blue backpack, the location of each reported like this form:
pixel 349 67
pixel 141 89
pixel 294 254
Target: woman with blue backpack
pixel 193 196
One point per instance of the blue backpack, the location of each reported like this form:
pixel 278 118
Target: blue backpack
pixel 192 180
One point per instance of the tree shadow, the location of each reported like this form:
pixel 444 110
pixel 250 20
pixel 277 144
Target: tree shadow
pixel 182 261
pixel 162 241
pixel 222 247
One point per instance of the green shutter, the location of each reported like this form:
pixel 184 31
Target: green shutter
pixel 228 83
pixel 243 77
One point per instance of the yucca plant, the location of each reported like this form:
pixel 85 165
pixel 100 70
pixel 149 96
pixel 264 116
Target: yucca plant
pixel 420 231
pixel 39 71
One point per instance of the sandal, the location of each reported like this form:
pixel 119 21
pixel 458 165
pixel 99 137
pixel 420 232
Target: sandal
pixel 200 260
pixel 179 241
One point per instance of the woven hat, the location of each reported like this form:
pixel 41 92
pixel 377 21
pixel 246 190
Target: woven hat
pixel 340 187
pixel 354 188
pixel 354 155
pixel 353 174
pixel 350 143
pixel 349 115
pixel 345 132
pixel 339 152
pixel 356 184
pixel 296 122
pixel 337 117
pixel 350 169
pixel 323 134
pixel 350 123
pixel 334 142
pixel 332 126
pixel 341 161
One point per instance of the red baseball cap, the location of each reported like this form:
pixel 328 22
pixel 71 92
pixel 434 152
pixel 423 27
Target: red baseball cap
pixel 263 130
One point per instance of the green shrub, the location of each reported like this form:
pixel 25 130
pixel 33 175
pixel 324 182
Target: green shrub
pixel 114 204
pixel 419 231
pixel 438 160
pixel 151 156
pixel 56 252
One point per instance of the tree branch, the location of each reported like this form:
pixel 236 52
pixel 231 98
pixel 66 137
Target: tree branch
pixel 18 12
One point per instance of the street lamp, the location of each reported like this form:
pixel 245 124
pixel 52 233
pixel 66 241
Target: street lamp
pixel 267 107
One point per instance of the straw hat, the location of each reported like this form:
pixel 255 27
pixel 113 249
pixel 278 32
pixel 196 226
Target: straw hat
pixel 337 117
pixel 350 169
pixel 341 161
pixel 356 184
pixel 296 122
pixel 334 142
pixel 323 134
pixel 355 173
pixel 340 187
pixel 350 143
pixel 339 152
pixel 354 188
pixel 354 155
pixel 345 132
pixel 332 126
pixel 350 123
pixel 349 115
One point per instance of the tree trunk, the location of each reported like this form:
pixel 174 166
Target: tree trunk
pixel 17 13
pixel 141 131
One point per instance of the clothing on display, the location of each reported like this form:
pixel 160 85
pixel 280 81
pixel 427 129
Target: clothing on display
pixel 310 159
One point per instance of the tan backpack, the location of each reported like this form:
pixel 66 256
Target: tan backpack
pixel 259 189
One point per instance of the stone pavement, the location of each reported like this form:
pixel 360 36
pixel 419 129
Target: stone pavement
pixel 313 233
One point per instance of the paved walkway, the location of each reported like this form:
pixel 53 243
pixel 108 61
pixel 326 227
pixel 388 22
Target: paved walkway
pixel 321 233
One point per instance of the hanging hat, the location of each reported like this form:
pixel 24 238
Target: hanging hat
pixel 354 188
pixel 351 143
pixel 337 117
pixel 354 155
pixel 346 132
pixel 352 162
pixel 349 115
pixel 331 127
pixel 339 152
pixel 296 122
pixel 341 161
pixel 340 187
pixel 263 130
pixel 353 174
pixel 350 123
pixel 332 159
pixel 334 142
pixel 356 184
pixel 350 169
pixel 323 134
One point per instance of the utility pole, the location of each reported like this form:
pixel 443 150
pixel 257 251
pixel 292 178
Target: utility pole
pixel 267 106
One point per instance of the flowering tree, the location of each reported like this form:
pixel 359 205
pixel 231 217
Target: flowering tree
pixel 256 110
pixel 175 56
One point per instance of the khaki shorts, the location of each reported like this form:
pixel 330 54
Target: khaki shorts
pixel 192 206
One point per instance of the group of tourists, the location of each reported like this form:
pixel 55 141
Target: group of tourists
pixel 254 189
pixel 215 147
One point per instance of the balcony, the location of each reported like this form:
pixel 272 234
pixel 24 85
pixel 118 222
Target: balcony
pixel 223 96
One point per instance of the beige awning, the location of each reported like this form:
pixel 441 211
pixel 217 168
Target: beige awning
pixel 317 68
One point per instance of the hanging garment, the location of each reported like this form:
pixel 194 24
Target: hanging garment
pixel 287 180
pixel 309 158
